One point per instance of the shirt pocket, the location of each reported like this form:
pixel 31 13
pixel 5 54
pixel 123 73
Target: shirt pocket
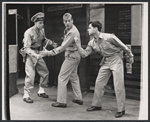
pixel 33 39
pixel 106 46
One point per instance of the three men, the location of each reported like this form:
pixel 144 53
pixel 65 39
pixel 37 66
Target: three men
pixel 34 40
pixel 111 48
pixel 108 45
pixel 69 67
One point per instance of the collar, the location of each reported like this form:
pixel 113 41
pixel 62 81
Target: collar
pixel 36 29
pixel 101 35
pixel 67 29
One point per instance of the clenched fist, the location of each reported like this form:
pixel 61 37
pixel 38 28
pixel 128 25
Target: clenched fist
pixel 46 53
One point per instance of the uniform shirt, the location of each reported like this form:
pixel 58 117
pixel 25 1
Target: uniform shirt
pixel 33 39
pixel 107 45
pixel 68 43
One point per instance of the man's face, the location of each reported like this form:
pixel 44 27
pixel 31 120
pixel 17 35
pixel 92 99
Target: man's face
pixel 91 30
pixel 68 22
pixel 39 24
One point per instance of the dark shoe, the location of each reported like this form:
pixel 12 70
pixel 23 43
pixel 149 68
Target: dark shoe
pixel 80 102
pixel 28 100
pixel 120 114
pixel 94 108
pixel 63 105
pixel 43 95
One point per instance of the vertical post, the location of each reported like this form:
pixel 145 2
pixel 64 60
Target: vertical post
pixel 87 38
pixel 5 74
pixel 43 8
pixel 16 17
pixel 16 28
pixel 87 19
pixel 28 16
pixel 12 54
pixel 143 114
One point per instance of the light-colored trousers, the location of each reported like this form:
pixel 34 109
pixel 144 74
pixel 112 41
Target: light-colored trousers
pixel 112 65
pixel 41 69
pixel 68 72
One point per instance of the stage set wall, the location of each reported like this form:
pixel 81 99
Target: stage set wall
pixel 110 17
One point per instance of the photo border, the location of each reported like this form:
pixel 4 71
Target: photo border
pixel 145 56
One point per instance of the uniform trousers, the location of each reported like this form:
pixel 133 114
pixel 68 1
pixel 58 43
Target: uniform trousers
pixel 112 65
pixel 68 72
pixel 41 69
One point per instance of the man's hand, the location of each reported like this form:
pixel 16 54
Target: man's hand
pixel 131 60
pixel 77 41
pixel 51 53
pixel 46 53
pixel 55 45
pixel 43 53
pixel 44 49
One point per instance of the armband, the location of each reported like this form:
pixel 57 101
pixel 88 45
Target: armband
pixel 55 51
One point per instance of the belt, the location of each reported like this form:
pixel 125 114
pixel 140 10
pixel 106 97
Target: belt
pixel 70 49
pixel 113 55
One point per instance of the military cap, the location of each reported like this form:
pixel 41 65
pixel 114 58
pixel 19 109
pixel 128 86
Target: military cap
pixel 67 16
pixel 38 17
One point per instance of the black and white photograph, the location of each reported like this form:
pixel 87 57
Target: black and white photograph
pixel 74 61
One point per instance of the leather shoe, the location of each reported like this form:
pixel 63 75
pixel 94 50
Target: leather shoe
pixel 28 100
pixel 43 95
pixel 120 114
pixel 80 102
pixel 63 105
pixel 93 108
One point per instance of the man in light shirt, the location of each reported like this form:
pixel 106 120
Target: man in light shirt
pixel 69 67
pixel 111 48
pixel 34 40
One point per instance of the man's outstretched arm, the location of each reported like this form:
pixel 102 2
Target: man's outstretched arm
pixel 59 49
pixel 83 52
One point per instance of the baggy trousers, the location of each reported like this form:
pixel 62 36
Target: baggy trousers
pixel 68 72
pixel 112 64
pixel 41 69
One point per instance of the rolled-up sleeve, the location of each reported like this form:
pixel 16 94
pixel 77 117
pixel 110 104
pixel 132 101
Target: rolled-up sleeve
pixel 116 41
pixel 68 40
pixel 86 52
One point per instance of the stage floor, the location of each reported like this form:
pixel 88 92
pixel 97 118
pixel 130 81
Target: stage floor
pixel 41 109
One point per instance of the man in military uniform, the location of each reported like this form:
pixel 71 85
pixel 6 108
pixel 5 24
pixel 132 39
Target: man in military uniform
pixel 69 67
pixel 111 48
pixel 34 40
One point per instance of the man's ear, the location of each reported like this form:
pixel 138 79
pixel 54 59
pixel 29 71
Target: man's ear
pixel 96 28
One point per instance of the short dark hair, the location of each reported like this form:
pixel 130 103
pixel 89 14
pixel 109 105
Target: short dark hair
pixel 96 24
